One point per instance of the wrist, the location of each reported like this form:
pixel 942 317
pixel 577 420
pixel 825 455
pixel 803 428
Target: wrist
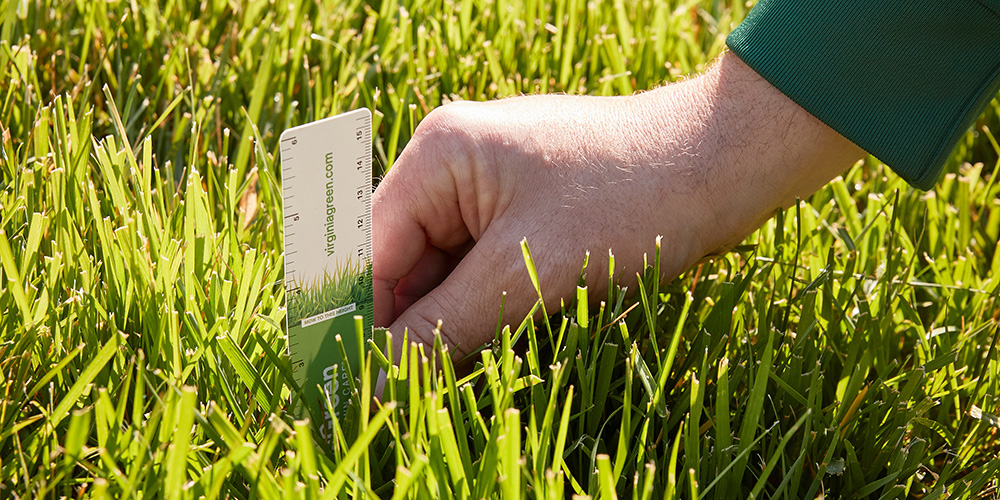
pixel 750 148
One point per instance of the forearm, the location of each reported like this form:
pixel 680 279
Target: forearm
pixel 750 150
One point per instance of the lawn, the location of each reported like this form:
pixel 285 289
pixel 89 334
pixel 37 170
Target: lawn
pixel 847 349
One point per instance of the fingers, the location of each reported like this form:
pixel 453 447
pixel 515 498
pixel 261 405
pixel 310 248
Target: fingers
pixel 468 300
pixel 417 217
pixel 398 243
pixel 434 266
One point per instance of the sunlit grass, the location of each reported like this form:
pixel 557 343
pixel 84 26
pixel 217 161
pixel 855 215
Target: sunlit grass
pixel 847 349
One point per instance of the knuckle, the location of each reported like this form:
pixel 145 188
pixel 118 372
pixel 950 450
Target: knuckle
pixel 456 139
pixel 449 118
pixel 453 131
pixel 444 123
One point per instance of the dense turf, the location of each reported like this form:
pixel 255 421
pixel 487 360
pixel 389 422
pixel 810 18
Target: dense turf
pixel 846 350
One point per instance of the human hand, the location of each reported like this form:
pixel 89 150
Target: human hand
pixel 703 163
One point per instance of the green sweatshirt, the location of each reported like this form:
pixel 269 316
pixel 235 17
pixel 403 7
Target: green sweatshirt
pixel 902 79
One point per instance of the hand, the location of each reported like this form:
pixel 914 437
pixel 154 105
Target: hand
pixel 703 163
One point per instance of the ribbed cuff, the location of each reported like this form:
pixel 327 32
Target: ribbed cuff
pixel 903 80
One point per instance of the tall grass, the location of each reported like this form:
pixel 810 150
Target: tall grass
pixel 848 349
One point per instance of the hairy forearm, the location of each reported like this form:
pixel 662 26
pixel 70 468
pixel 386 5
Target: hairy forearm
pixel 751 150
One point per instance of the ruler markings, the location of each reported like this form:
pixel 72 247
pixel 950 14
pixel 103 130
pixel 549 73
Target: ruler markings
pixel 328 231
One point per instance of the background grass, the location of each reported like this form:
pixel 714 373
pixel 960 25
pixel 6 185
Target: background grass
pixel 847 350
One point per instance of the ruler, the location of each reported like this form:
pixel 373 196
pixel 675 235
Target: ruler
pixel 327 191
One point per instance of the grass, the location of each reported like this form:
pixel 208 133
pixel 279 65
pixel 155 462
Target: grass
pixel 848 349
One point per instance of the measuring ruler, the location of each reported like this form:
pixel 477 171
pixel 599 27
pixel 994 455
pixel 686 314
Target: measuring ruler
pixel 327 182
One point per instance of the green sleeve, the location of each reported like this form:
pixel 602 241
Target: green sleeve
pixel 902 79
